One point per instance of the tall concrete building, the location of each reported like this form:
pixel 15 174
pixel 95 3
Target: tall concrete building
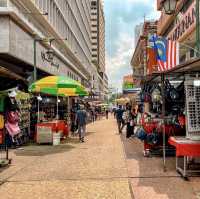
pixel 66 23
pixel 98 44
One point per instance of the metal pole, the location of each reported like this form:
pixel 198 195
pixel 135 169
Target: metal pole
pixel 197 28
pixel 35 60
pixel 57 117
pixel 163 120
pixel 38 110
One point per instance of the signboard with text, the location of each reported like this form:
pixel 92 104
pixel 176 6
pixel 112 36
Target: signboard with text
pixel 185 24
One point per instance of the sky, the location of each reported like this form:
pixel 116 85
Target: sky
pixel 121 17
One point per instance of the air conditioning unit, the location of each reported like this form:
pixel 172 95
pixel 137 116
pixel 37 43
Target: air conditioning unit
pixel 192 92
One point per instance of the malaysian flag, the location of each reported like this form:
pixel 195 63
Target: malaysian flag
pixel 167 52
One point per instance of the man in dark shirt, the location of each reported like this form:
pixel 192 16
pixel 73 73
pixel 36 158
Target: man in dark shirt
pixel 119 113
pixel 81 118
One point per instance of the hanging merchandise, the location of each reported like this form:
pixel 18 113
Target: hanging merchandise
pixel 12 114
pixel 153 138
pixel 141 134
pixel 1 137
pixel 153 130
pixel 1 121
pixel 156 99
pixel 171 93
pixel 23 101
pixel 2 103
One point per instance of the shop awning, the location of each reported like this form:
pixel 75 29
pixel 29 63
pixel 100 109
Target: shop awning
pixel 4 72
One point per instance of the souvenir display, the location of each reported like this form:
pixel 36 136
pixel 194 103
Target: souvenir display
pixel 151 132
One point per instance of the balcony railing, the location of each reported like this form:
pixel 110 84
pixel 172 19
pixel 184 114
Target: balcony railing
pixel 3 3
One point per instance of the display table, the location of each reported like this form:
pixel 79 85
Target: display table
pixel 185 148
pixel 56 126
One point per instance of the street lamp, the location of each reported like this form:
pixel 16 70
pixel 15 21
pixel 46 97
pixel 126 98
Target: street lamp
pixel 169 6
pixel 50 54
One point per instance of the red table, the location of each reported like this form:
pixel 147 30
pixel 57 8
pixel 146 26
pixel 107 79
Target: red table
pixel 56 125
pixel 185 148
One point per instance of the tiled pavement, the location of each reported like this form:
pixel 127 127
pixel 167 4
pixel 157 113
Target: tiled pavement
pixel 95 169
pixel 106 166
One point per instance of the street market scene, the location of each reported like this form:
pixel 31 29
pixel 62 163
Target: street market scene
pixel 100 99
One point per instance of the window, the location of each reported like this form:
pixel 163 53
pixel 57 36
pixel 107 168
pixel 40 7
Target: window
pixel 93 3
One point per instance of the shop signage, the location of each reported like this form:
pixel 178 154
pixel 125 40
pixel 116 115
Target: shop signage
pixel 185 25
pixel 130 84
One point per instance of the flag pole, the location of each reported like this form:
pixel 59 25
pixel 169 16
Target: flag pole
pixel 163 120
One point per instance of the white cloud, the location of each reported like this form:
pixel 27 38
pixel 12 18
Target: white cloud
pixel 121 20
pixel 119 64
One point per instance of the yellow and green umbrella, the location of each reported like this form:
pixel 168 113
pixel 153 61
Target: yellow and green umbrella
pixel 58 85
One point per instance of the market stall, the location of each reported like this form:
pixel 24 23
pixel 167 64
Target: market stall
pixel 154 131
pixel 14 121
pixel 175 115
pixel 57 86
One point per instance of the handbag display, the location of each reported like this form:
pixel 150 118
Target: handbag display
pixel 171 94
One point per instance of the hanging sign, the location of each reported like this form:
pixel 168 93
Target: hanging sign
pixel 185 25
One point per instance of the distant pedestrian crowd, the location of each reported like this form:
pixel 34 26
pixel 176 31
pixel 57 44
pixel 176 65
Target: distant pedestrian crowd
pixel 83 114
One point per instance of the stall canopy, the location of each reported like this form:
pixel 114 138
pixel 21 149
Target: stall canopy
pixel 122 101
pixel 58 86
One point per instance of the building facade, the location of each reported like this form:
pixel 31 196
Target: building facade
pixel 180 27
pixel 67 24
pixel 143 62
pixel 98 44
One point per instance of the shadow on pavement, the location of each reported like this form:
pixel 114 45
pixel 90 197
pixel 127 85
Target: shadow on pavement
pixel 42 150
pixel 147 175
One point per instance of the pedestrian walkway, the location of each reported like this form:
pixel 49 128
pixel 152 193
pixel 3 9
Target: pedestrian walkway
pixel 95 169
pixel 106 166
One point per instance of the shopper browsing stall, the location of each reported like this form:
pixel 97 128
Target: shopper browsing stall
pixel 120 121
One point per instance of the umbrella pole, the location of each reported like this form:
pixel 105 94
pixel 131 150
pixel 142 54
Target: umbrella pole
pixel 57 108
pixel 163 123
pixel 38 110
pixel 68 111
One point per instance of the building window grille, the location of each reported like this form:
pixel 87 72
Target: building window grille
pixel 3 3
pixel 93 3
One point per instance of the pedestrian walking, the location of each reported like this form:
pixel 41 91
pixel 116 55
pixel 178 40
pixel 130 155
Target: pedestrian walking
pixel 73 121
pixel 81 119
pixel 107 114
pixel 93 114
pixel 129 116
pixel 120 121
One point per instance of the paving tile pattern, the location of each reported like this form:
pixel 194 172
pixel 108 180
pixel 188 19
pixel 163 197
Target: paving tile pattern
pixel 95 169
pixel 149 181
pixel 106 166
